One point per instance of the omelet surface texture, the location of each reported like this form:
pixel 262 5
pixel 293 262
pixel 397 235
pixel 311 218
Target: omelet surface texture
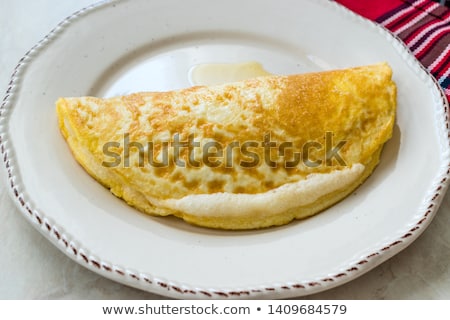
pixel 242 155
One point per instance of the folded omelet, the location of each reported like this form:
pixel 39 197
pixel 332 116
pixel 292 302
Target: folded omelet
pixel 242 155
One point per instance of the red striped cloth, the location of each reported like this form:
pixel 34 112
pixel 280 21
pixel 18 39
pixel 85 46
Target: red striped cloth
pixel 423 25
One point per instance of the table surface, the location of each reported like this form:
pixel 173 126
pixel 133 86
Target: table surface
pixel 32 268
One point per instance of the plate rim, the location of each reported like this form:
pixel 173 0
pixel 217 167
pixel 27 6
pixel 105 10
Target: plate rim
pixel 170 287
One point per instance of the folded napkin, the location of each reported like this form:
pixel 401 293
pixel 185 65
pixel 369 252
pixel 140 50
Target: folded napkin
pixel 423 25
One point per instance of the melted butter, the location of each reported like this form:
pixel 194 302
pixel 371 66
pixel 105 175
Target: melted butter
pixel 218 73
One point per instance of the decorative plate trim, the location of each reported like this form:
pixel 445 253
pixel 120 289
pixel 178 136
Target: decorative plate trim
pixel 69 245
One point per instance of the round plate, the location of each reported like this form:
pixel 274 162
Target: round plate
pixel 117 47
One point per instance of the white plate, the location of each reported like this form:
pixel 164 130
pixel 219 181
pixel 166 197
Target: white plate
pixel 123 46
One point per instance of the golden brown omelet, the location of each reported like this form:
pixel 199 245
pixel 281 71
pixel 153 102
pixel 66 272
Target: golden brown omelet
pixel 243 155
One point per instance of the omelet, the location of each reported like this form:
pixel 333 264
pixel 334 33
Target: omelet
pixel 243 155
